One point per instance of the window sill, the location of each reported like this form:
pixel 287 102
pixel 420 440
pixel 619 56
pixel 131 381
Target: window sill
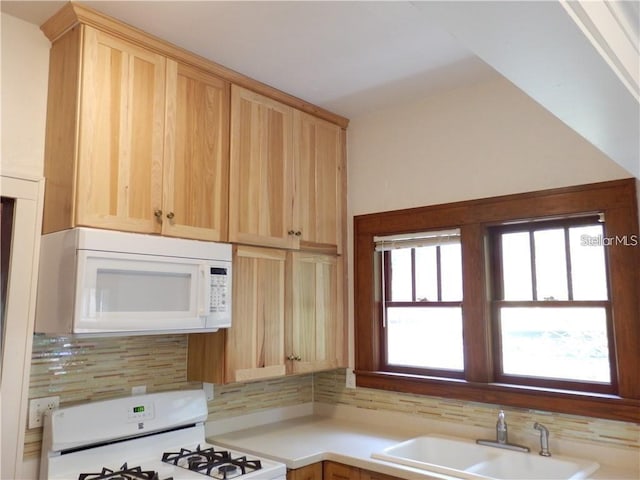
pixel 575 403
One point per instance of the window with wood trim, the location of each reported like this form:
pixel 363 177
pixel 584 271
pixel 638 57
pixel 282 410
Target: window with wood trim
pixel 550 307
pixel 551 316
pixel 422 303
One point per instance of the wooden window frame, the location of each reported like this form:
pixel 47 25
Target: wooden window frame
pixel 615 199
pixel 386 283
pixel 498 301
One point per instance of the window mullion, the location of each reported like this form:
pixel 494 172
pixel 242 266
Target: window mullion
pixel 567 255
pixel 478 361
pixel 413 274
pixel 534 280
pixel 438 274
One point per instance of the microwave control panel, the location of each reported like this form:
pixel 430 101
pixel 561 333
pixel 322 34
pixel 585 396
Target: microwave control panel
pixel 219 290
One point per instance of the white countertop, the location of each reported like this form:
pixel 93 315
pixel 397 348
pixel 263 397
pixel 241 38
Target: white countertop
pixel 312 438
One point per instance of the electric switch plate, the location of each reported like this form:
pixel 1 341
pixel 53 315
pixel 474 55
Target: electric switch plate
pixel 38 406
pixel 351 378
pixel 208 390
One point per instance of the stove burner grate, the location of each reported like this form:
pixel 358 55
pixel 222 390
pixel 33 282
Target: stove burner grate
pixel 124 473
pixel 185 457
pixel 218 464
pixel 226 469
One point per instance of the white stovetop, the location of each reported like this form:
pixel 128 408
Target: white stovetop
pixel 350 435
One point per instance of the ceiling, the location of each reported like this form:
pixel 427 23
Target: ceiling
pixel 580 60
pixel 347 57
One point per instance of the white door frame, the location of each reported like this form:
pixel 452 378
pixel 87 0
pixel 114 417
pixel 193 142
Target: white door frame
pixel 19 318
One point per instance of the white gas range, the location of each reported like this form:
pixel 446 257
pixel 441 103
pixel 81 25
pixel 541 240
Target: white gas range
pixel 158 436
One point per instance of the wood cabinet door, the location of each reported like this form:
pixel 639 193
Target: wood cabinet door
pixel 318 207
pixel 315 329
pixel 121 135
pixel 255 342
pixel 261 178
pixel 338 471
pixel 369 475
pixel 310 472
pixel 196 154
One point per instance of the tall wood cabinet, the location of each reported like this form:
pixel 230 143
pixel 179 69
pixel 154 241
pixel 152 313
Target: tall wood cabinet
pixel 286 178
pixel 135 141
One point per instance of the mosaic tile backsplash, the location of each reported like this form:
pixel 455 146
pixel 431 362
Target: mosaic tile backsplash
pixel 81 370
pixel 329 387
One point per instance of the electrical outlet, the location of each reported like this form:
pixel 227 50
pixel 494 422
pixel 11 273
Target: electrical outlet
pixel 351 379
pixel 139 390
pixel 208 390
pixel 38 406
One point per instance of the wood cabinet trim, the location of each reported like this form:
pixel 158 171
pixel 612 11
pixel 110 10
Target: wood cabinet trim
pixel 73 13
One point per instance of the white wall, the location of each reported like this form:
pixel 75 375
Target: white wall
pixel 480 141
pixel 25 67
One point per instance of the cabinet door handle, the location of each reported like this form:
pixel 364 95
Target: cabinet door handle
pixel 291 357
pixel 298 233
pixel 170 215
pixel 291 232
pixel 158 215
pixel 294 357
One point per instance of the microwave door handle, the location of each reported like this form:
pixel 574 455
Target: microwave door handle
pixel 204 292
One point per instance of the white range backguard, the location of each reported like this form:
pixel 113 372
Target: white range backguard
pixel 95 440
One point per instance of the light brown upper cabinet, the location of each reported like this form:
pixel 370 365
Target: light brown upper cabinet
pixel 135 142
pixel 318 205
pixel 286 176
pixel 196 155
pixel 315 333
pixel 261 182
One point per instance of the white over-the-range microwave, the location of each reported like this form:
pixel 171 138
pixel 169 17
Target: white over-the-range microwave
pixel 105 282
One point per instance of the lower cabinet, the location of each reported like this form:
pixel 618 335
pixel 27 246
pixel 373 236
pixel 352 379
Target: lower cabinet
pixel 335 471
pixel 338 471
pixel 310 472
pixel 368 475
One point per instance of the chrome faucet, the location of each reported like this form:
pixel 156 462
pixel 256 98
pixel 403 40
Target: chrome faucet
pixel 501 428
pixel 502 440
pixel 544 439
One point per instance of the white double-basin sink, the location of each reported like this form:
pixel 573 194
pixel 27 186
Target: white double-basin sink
pixel 466 459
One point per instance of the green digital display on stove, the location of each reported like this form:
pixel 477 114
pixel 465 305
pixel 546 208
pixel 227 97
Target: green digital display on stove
pixel 138 409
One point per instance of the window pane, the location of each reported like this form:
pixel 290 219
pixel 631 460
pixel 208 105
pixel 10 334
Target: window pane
pixel 551 265
pixel 516 266
pixel 426 337
pixel 562 343
pixel 401 275
pixel 588 272
pixel 451 272
pixel 426 275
